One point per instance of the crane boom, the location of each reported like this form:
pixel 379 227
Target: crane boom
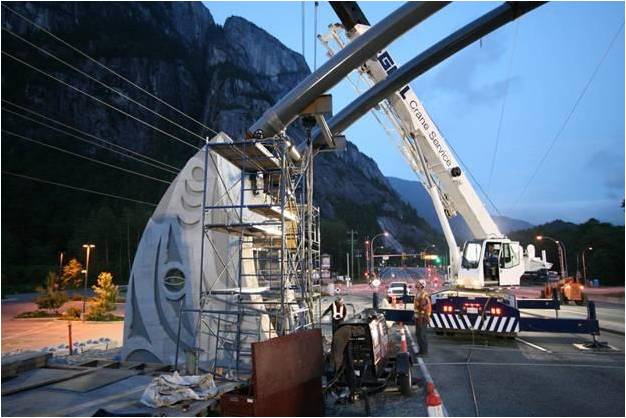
pixel 430 157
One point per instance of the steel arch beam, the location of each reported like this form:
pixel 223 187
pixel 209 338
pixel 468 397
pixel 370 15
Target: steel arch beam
pixel 443 49
pixel 279 116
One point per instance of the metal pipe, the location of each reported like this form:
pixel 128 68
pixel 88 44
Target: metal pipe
pixel 425 61
pixel 279 116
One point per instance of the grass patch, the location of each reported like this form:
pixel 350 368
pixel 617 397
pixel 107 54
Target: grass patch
pixel 38 314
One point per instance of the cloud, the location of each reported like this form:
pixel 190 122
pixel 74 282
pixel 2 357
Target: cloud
pixel 608 165
pixel 462 76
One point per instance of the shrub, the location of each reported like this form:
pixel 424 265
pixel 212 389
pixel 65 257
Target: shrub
pixel 104 302
pixel 51 297
pixel 72 312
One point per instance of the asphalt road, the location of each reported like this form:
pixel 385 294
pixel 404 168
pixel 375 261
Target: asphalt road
pixel 533 375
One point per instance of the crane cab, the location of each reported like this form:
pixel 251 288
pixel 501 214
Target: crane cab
pixel 491 262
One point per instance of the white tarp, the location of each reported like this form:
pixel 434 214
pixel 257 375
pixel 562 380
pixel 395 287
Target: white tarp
pixel 166 390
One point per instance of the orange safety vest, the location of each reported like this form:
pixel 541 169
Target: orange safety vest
pixel 422 306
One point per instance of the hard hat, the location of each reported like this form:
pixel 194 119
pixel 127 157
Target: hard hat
pixel 421 283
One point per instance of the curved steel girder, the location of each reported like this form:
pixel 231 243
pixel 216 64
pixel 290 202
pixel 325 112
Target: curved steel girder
pixel 279 116
pixel 425 61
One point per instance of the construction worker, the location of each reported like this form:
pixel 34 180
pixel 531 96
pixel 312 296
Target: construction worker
pixel 422 308
pixel 338 309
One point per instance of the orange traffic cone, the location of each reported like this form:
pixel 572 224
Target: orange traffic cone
pixel 403 346
pixel 433 401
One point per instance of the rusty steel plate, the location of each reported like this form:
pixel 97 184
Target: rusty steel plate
pixel 287 375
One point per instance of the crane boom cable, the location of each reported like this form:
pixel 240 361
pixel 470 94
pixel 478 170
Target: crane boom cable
pixel 176 169
pixel 569 115
pixel 503 105
pixel 88 141
pixel 25 138
pixel 97 99
pixel 82 189
pixel 108 87
pixel 101 65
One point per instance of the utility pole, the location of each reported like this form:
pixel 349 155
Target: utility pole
pixel 60 269
pixel 352 232
pixel 87 248
pixel 585 264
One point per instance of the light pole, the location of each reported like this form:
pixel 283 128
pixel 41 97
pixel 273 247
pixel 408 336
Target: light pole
pixel 352 232
pixel 383 234
pixel 87 248
pixel 367 257
pixel 585 264
pixel 60 268
pixel 561 250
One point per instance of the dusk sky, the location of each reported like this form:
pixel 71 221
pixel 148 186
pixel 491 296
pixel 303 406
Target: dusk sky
pixel 554 49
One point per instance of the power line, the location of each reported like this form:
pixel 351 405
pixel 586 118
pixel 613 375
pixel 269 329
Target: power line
pixel 97 99
pixel 88 141
pixel 83 157
pixel 570 114
pixel 23 176
pixel 175 169
pixel 101 65
pixel 502 107
pixel 78 70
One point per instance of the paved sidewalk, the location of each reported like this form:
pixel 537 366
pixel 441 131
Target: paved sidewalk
pixel 33 334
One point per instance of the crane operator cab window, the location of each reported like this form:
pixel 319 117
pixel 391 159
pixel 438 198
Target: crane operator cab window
pixel 491 262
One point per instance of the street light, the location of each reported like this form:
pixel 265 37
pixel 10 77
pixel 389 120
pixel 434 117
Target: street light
pixel 561 250
pixel 383 234
pixel 585 265
pixel 60 269
pixel 87 248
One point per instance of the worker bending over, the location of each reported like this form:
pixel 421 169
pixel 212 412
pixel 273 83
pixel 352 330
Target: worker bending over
pixel 338 309
pixel 422 308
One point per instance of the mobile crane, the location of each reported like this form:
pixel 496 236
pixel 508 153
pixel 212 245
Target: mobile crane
pixel 487 264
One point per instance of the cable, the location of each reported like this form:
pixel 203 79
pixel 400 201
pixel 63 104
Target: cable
pixel 570 114
pixel 502 107
pixel 174 168
pixel 96 99
pixel 471 382
pixel 88 141
pixel 84 157
pixel 108 68
pixel 458 157
pixel 53 56
pixel 315 12
pixel 23 176
pixel 303 13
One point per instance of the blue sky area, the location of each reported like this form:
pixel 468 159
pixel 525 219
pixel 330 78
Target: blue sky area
pixel 554 51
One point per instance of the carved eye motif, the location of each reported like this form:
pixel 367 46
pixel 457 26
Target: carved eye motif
pixel 174 280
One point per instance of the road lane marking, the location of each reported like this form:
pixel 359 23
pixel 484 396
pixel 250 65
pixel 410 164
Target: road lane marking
pixel 528 343
pixel 423 367
pixel 462 363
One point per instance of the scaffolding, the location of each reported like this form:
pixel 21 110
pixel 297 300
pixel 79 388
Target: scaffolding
pixel 268 287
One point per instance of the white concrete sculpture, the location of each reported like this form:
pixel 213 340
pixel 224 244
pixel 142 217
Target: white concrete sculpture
pixel 166 270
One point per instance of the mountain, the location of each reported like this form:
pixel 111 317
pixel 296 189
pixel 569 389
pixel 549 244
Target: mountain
pixel 223 77
pixel 413 192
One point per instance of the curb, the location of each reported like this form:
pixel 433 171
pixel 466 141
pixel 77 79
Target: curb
pixel 433 401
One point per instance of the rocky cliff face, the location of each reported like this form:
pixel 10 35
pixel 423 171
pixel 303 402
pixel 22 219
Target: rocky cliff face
pixel 223 77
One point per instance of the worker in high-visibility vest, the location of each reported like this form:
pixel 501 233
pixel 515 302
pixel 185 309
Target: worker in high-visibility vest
pixel 422 308
pixel 338 309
